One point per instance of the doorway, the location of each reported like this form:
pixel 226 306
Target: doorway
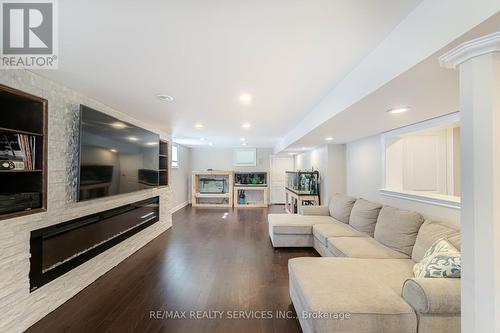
pixel 277 182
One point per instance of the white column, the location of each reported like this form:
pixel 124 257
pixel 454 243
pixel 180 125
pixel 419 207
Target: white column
pixel 479 65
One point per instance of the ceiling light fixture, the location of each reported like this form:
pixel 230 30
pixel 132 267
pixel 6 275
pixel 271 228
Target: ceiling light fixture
pixel 210 144
pixel 113 150
pixel 202 139
pixel 118 125
pixel 132 138
pixel 243 139
pixel 329 138
pixel 165 98
pixel 244 144
pixel 399 110
pixel 245 98
pixel 246 125
pixel 198 125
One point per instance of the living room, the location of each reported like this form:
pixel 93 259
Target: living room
pixel 320 166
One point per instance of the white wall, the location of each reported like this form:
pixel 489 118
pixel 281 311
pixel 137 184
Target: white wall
pixel 222 159
pixel 329 160
pixel 337 176
pixel 364 179
pixel 181 179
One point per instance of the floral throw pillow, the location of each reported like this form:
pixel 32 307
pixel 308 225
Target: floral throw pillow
pixel 441 260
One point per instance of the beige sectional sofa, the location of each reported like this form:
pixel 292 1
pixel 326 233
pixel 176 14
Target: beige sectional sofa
pixel 365 282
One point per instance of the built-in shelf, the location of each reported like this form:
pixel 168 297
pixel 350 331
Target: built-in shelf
pixel 163 163
pixel 26 190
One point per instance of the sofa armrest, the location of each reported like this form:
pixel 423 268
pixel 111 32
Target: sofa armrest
pixel 433 295
pixel 315 210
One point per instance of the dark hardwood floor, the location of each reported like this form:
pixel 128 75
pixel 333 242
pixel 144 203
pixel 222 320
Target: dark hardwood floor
pixel 203 263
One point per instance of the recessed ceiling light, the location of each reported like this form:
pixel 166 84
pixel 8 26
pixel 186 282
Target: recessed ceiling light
pixel 152 143
pixel 244 144
pixel 329 138
pixel 202 139
pixel 245 98
pixel 132 138
pixel 165 98
pixel 198 125
pixel 243 139
pixel 399 110
pixel 118 125
pixel 113 150
pixel 210 144
pixel 246 125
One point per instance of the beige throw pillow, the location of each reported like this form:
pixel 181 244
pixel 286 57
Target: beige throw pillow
pixel 398 228
pixel 340 207
pixel 430 232
pixel 364 215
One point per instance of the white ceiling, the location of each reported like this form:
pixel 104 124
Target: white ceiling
pixel 286 54
pixel 430 91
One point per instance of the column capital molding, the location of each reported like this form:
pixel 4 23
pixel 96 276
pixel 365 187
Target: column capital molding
pixel 471 49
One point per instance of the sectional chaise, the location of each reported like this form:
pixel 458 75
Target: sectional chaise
pixel 365 281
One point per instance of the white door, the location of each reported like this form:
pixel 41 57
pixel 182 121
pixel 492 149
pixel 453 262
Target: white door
pixel 425 163
pixel 277 181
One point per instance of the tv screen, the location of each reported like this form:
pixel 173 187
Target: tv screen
pixel 115 157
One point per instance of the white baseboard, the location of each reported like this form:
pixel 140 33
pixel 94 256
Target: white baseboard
pixel 180 206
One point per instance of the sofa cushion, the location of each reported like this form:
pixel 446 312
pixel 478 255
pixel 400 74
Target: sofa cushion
pixel 291 240
pixel 315 210
pixel 321 248
pixel 398 228
pixel 295 224
pixel 430 232
pixel 362 247
pixel 364 215
pixel 335 229
pixel 366 289
pixel 340 207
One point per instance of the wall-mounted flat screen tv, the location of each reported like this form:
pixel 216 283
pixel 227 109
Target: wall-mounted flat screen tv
pixel 115 157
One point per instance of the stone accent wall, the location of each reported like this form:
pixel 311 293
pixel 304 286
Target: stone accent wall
pixel 19 308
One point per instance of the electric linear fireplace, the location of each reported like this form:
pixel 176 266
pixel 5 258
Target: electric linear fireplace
pixel 58 249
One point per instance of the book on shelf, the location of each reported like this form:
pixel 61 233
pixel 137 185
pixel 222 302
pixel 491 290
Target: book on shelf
pixel 17 152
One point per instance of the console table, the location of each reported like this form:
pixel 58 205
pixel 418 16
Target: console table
pixel 295 200
pixel 199 198
pixel 256 196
